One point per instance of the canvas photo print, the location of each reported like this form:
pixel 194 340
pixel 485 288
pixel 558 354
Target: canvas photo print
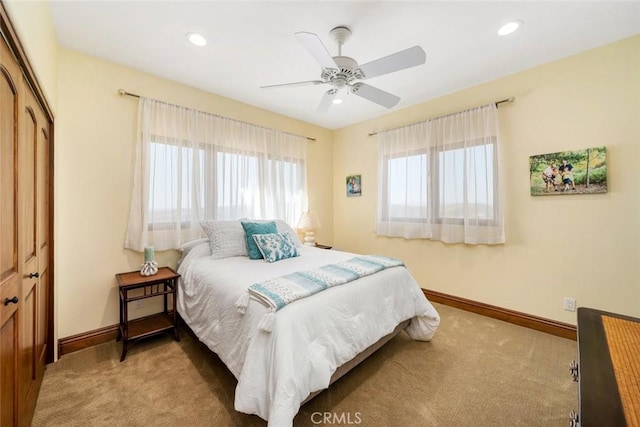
pixel 354 188
pixel 569 172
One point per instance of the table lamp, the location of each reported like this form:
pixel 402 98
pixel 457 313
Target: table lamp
pixel 309 221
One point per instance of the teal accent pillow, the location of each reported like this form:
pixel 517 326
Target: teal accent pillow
pixel 251 228
pixel 275 247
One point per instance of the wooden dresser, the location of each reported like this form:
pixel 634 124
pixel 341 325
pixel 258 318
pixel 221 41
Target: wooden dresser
pixel 608 369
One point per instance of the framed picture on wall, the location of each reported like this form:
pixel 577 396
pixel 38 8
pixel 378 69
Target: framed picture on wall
pixel 569 172
pixel 354 185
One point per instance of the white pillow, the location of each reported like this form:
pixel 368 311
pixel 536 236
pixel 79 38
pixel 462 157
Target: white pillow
pixel 189 247
pixel 186 247
pixel 226 238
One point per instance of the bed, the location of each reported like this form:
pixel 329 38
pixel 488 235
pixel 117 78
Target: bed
pixel 312 341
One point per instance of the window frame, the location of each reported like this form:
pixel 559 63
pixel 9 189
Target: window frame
pixel 433 183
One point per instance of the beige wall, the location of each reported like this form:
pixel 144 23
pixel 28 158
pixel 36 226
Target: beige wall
pixel 586 247
pixel 34 26
pixel 95 148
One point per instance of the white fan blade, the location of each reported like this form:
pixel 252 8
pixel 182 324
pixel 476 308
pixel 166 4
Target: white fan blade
pixel 376 95
pixel 315 47
pixel 306 83
pixel 327 100
pixel 395 62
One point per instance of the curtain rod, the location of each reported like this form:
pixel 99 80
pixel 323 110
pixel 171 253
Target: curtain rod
pixel 497 103
pixel 123 92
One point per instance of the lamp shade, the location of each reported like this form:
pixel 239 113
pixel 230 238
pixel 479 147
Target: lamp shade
pixel 309 221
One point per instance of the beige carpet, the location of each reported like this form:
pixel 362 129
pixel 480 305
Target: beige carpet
pixel 475 372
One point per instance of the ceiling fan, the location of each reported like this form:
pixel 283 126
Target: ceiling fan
pixel 344 72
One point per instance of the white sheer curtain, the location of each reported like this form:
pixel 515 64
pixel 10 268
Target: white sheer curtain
pixel 191 166
pixel 439 179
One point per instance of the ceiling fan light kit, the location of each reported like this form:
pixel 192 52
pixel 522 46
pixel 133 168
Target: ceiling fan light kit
pixel 344 72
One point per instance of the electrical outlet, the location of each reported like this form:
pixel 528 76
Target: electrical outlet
pixel 569 304
pixel 138 303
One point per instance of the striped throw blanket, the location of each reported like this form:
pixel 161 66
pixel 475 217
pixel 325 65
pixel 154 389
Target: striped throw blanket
pixel 277 293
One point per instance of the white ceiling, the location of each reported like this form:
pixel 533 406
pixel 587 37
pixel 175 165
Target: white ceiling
pixel 251 44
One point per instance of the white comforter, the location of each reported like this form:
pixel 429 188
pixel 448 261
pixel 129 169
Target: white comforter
pixel 311 337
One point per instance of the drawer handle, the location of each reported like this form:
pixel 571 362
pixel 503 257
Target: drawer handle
pixel 32 275
pixel 573 370
pixel 574 420
pixel 13 300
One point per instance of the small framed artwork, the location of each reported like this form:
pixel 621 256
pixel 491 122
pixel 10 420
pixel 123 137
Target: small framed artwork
pixel 569 172
pixel 354 185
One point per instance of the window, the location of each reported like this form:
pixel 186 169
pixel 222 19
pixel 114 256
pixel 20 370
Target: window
pixel 406 183
pixel 193 166
pixel 439 180
pixel 466 179
pixel 170 197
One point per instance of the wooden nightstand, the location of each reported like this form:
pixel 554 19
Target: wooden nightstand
pixel 161 284
pixel 318 245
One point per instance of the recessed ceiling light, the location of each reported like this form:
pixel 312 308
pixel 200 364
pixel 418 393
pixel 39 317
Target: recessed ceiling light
pixel 337 101
pixel 196 39
pixel 510 27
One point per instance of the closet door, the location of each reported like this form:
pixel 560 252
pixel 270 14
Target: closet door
pixel 25 232
pixel 10 281
pixel 32 312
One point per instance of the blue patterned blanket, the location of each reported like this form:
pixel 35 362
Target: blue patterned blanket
pixel 277 293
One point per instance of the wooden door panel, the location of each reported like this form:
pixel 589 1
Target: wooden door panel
pixel 28 182
pixel 43 185
pixel 28 367
pixel 10 289
pixel 43 206
pixel 41 332
pixel 8 370
pixel 8 178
